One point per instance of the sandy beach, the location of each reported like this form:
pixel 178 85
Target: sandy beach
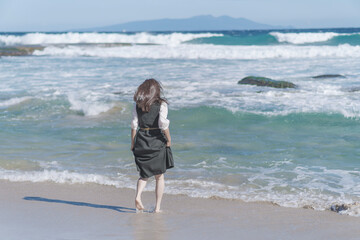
pixel 90 211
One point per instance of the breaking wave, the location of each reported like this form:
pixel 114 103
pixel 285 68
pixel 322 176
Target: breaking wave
pixel 275 192
pixel 13 101
pixel 205 51
pixel 309 37
pixel 77 38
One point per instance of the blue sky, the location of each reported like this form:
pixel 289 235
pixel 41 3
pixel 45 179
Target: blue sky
pixel 58 15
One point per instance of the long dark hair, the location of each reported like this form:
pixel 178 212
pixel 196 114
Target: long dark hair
pixel 149 92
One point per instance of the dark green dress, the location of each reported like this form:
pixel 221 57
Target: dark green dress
pixel 152 157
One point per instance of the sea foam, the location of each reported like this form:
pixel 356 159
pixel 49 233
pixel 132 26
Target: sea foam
pixel 89 107
pixel 76 38
pixel 309 37
pixel 311 197
pixel 13 101
pixel 204 51
pixel 56 176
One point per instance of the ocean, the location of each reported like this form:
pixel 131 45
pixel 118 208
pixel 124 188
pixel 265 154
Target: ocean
pixel 65 112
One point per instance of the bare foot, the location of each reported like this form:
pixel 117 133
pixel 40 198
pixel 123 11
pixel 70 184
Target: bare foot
pixel 157 211
pixel 138 205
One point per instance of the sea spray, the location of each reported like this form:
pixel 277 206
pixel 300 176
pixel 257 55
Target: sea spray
pixel 76 38
pixel 211 52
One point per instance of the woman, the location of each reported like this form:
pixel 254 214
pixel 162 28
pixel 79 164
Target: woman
pixel 150 139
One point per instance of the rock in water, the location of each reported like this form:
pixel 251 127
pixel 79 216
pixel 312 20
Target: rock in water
pixel 353 89
pixel 263 81
pixel 338 207
pixel 329 76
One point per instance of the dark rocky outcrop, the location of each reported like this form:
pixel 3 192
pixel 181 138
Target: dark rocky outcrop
pixel 339 207
pixel 19 50
pixel 353 89
pixel 329 76
pixel 267 82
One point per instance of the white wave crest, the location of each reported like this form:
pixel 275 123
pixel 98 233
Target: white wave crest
pixel 13 101
pixel 317 97
pixel 75 38
pixel 55 176
pixel 296 198
pixel 88 107
pixel 301 38
pixel 191 51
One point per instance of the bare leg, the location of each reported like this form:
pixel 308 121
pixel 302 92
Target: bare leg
pixel 141 183
pixel 159 190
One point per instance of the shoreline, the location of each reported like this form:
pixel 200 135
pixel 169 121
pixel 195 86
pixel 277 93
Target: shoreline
pixel 91 211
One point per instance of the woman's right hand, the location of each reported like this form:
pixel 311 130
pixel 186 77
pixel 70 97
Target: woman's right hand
pixel 133 134
pixel 168 138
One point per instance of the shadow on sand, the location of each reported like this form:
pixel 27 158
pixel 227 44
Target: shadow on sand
pixel 83 204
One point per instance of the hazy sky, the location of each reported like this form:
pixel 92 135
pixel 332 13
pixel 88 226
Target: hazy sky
pixel 57 15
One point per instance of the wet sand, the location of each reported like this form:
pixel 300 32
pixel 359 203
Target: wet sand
pixel 90 211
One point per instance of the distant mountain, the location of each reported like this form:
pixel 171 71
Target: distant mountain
pixel 197 23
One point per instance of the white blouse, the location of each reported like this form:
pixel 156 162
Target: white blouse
pixel 163 121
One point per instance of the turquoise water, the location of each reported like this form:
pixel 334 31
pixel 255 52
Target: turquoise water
pixel 65 112
pixel 331 37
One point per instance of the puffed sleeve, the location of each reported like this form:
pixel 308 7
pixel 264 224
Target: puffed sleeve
pixel 163 121
pixel 134 122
